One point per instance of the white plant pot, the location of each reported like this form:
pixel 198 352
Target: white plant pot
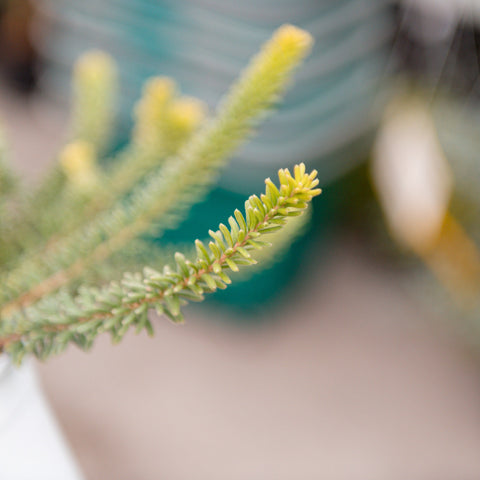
pixel 31 443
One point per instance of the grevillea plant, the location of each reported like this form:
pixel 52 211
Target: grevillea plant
pixel 62 246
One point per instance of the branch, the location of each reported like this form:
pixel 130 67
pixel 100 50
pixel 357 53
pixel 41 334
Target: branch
pixel 48 327
pixel 169 192
pixel 94 98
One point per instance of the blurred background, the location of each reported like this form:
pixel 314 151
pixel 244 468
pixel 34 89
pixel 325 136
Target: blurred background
pixel 357 354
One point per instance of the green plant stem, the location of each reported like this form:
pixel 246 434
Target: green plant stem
pixel 169 192
pixel 48 327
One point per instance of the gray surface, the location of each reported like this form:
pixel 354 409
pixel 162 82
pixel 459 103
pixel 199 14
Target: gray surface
pixel 352 380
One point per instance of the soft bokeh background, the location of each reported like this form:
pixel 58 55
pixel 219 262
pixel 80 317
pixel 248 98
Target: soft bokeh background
pixel 361 366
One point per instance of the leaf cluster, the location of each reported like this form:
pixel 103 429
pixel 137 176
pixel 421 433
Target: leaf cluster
pixel 85 215
pixel 50 325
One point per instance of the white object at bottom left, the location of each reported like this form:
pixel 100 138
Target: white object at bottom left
pixel 31 443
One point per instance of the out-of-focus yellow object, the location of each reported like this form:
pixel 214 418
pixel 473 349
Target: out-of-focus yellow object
pixel 95 87
pixel 78 162
pixel 455 260
pixel 93 66
pixel 182 118
pixel 164 122
pixel 414 184
pixel 289 39
pixel 158 92
pixel 186 113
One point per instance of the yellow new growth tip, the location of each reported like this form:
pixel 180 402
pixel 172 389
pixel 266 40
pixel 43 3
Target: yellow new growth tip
pixel 94 66
pixel 157 92
pixel 291 38
pixel 150 111
pixel 94 97
pixel 269 72
pixel 164 122
pixel 303 180
pixel 288 45
pixel 78 162
pixel 186 113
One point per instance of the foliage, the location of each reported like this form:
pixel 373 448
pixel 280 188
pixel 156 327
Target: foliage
pixel 86 216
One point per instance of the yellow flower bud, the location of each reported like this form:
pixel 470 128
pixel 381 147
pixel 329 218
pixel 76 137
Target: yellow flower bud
pixel 78 162
pixel 186 114
pixel 94 66
pixel 94 97
pixel 158 92
pixel 291 39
